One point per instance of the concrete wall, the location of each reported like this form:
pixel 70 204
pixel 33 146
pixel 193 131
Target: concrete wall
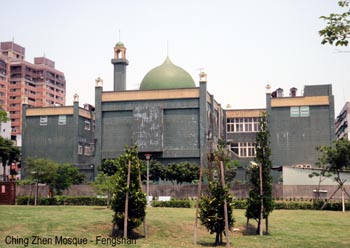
pixel 300 176
pixel 279 191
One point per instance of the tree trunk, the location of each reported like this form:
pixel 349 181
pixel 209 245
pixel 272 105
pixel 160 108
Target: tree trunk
pixel 217 238
pixel 247 225
pixel 342 199
pixel 197 205
pixel 261 202
pixel 225 205
pixel 4 172
pixel 267 225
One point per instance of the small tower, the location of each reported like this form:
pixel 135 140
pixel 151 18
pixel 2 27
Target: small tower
pixel 120 62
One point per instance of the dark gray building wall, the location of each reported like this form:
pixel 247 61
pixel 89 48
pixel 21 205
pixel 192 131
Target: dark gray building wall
pixel 59 143
pixel 181 133
pixel 182 123
pixel 51 141
pixel 180 127
pixel 294 139
pixel 116 133
pixel 318 90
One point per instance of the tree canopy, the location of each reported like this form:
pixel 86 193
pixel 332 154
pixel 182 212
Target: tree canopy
pixel 337 30
pixel 335 158
pixel 57 177
pixel 3 116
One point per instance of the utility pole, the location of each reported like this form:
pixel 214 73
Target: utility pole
pixel 127 203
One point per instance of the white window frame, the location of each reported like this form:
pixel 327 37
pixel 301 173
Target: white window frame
pixel 62 120
pixel 43 120
pixel 87 125
pixel 87 150
pixel 80 149
pixel 243 125
pixel 244 149
pixel 304 111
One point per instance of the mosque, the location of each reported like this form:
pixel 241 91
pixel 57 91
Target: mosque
pixel 168 117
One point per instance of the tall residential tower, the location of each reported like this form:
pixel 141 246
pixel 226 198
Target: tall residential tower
pixel 41 83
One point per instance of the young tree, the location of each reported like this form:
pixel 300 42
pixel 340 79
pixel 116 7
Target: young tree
pixel 216 208
pixel 104 184
pixel 211 210
pixel 337 31
pixel 335 159
pixel 260 202
pixel 322 175
pixel 136 198
pixel 57 177
pixel 9 153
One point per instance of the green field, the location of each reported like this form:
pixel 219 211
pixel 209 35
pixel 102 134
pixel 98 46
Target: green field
pixel 168 227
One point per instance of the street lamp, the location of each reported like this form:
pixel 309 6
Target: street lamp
pixel 148 157
pixel 92 166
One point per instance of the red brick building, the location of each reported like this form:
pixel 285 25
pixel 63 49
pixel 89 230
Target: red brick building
pixel 41 83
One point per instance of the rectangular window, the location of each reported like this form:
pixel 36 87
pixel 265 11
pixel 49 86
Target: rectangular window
pixel 43 120
pixel 243 149
pixel 304 111
pixel 87 125
pixel 234 148
pixel 294 112
pixel 62 120
pixel 87 150
pixel 3 189
pixel 242 125
pixel 80 149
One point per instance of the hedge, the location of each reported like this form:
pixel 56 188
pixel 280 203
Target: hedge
pixel 297 205
pixel 237 203
pixel 172 204
pixel 63 200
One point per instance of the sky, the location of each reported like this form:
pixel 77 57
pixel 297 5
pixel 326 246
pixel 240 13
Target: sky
pixel 241 45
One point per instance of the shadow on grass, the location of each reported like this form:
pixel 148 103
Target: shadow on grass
pixel 250 230
pixel 131 235
pixel 210 244
pixel 101 208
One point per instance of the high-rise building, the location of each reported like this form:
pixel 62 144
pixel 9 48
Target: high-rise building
pixel 40 82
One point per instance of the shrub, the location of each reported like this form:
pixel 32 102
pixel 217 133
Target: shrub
pixel 172 204
pixel 63 200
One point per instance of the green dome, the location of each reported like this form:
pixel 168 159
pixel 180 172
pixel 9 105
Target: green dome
pixel 119 43
pixel 167 76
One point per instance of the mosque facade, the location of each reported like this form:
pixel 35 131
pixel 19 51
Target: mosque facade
pixel 169 117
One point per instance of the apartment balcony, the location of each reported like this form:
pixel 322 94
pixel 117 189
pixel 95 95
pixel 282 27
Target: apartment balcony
pixel 15 116
pixel 30 88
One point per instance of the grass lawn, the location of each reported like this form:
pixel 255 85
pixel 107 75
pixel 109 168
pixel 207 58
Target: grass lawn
pixel 170 227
